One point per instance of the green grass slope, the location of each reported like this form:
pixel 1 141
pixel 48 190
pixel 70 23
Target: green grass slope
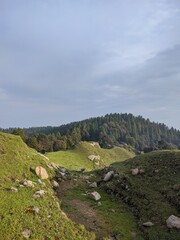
pixel 78 157
pixel 18 162
pixel 153 195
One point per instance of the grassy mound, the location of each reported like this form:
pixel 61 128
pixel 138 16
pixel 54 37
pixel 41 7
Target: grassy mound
pixel 152 195
pixel 78 157
pixel 17 162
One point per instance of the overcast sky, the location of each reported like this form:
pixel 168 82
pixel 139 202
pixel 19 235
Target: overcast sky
pixel 67 60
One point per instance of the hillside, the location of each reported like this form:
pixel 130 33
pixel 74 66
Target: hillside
pixel 128 200
pixel 78 157
pixel 20 210
pixel 109 130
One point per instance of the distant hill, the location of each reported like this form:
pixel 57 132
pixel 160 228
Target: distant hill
pixel 89 155
pixel 109 130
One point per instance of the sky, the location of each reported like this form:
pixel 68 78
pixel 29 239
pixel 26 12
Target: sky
pixel 64 60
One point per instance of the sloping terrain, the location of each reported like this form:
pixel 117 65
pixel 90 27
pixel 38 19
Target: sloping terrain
pixel 78 157
pixel 142 190
pixel 21 214
pixel 152 194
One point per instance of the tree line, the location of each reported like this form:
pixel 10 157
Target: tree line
pixel 109 130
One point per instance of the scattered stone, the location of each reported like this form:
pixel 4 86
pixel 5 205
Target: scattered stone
pixel 26 233
pixel 94 195
pixel 97 163
pixel 39 182
pixel 108 176
pixel 148 224
pixel 173 222
pixel 39 193
pixel 35 210
pixel 94 157
pixel 63 170
pixel 95 144
pixel 112 210
pixel 93 185
pixel 135 171
pixel 81 170
pixel 41 172
pixel 99 204
pixel 141 171
pixel 55 184
pixel 16 180
pixel 21 185
pixel 156 171
pixel 13 189
pixel 28 183
pixel 52 165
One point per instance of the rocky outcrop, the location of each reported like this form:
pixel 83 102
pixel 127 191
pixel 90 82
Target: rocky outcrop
pixel 173 222
pixel 41 172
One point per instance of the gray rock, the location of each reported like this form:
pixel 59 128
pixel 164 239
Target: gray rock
pixel 173 222
pixel 148 224
pixel 93 185
pixel 41 172
pixel 94 195
pixel 26 233
pixel 135 171
pixel 61 169
pixel 39 193
pixel 55 184
pixel 108 176
pixel 99 204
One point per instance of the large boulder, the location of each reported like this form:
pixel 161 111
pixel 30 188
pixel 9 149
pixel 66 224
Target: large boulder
pixel 173 222
pixel 94 195
pixel 41 172
pixel 108 176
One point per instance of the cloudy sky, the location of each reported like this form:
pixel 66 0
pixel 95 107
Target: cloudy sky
pixel 66 60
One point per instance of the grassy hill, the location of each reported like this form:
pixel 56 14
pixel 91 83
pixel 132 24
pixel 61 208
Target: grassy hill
pixel 78 157
pixel 17 162
pixel 152 195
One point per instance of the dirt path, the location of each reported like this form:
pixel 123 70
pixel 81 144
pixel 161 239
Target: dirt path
pixel 80 211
